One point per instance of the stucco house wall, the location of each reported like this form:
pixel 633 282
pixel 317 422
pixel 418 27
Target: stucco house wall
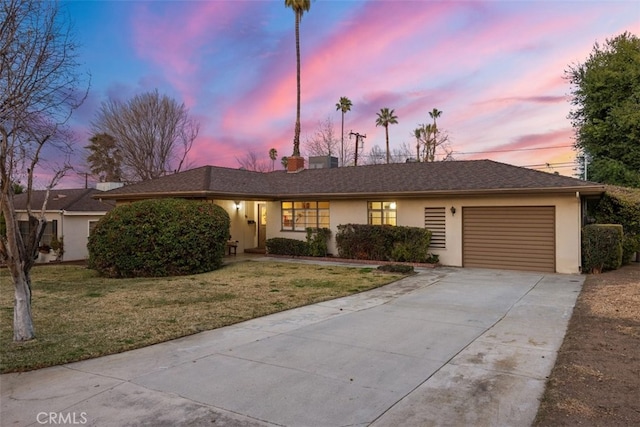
pixel 74 228
pixel 410 212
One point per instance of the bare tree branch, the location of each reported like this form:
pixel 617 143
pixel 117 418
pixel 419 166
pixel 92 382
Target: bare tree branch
pixel 153 134
pixel 39 85
pixel 253 162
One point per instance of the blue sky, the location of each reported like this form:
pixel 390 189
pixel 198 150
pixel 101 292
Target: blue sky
pixel 495 69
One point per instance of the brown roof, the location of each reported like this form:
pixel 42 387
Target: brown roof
pixel 398 179
pixel 73 200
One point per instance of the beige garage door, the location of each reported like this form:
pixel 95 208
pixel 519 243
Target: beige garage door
pixel 514 238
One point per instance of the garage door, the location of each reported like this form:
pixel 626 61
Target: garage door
pixel 514 238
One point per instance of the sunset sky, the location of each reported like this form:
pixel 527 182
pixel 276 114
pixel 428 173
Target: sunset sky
pixel 495 69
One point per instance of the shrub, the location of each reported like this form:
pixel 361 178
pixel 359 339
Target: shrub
pixel 155 238
pixel 284 246
pixel 601 247
pixel 317 241
pixel 621 205
pixel 383 243
pixel 397 268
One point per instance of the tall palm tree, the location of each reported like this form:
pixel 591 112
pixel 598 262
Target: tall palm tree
pixel 273 155
pixel 429 142
pixel 435 113
pixel 344 105
pixel 386 118
pixel 417 133
pixel 299 8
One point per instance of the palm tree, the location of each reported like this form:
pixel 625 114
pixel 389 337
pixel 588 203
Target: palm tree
pixel 435 113
pixel 429 143
pixel 299 7
pixel 273 155
pixel 386 118
pixel 417 133
pixel 344 105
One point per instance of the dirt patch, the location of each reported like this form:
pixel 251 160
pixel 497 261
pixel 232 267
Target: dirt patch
pixel 596 379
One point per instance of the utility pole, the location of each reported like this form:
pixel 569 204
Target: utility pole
pixel 358 136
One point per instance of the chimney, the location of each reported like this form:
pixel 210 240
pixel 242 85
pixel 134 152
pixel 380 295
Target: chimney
pixel 295 164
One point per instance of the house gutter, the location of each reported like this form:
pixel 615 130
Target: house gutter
pixel 595 190
pixel 591 190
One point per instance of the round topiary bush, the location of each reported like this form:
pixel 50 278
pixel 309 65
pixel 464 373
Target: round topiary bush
pixel 156 238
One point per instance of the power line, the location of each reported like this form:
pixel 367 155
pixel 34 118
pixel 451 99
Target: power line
pixel 515 149
pixel 549 164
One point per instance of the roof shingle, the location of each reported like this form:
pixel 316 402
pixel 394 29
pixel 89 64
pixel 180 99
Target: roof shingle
pixel 73 200
pixel 411 179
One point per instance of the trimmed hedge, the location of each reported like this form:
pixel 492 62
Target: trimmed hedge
pixel 284 246
pixel 157 238
pixel 620 205
pixel 317 241
pixel 383 243
pixel 315 245
pixel 601 247
pixel 397 268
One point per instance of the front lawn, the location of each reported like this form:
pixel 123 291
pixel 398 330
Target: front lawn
pixel 79 315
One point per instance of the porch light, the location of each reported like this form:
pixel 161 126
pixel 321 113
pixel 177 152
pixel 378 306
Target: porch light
pixel 453 210
pixel 392 205
pixel 237 204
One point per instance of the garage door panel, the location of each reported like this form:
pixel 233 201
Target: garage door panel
pixel 519 238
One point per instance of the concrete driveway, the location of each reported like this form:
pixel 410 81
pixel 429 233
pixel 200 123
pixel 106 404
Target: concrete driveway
pixel 447 347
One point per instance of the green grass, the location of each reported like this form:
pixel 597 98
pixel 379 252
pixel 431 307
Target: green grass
pixel 79 315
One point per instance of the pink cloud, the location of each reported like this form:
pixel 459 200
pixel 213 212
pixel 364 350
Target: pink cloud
pixel 177 40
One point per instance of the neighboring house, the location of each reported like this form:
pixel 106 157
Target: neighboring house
pixel 70 214
pixel 482 213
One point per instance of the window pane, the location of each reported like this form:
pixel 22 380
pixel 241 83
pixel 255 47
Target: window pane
pixel 298 216
pixel 383 212
pixel 287 219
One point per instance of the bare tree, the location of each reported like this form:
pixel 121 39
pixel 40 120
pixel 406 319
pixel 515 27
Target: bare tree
pixel 403 154
pixel 376 156
pixel 153 134
pixel 323 141
pixel 39 85
pixel 252 162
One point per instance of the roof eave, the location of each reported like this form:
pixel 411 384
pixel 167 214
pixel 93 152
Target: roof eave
pixel 181 194
pixel 591 190
pixel 583 190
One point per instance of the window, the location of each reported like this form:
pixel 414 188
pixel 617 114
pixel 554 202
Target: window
pixel 50 230
pixel 297 216
pixel 434 220
pixel 382 213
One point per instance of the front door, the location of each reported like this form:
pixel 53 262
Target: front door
pixel 262 225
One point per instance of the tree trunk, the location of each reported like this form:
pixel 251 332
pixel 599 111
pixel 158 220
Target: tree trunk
pixel 342 143
pixel 22 320
pixel 386 132
pixel 296 136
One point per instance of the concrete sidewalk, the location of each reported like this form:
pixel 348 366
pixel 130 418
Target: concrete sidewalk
pixel 446 347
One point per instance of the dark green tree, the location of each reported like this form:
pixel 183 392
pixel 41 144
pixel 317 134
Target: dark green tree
pixel 104 158
pixel 606 117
